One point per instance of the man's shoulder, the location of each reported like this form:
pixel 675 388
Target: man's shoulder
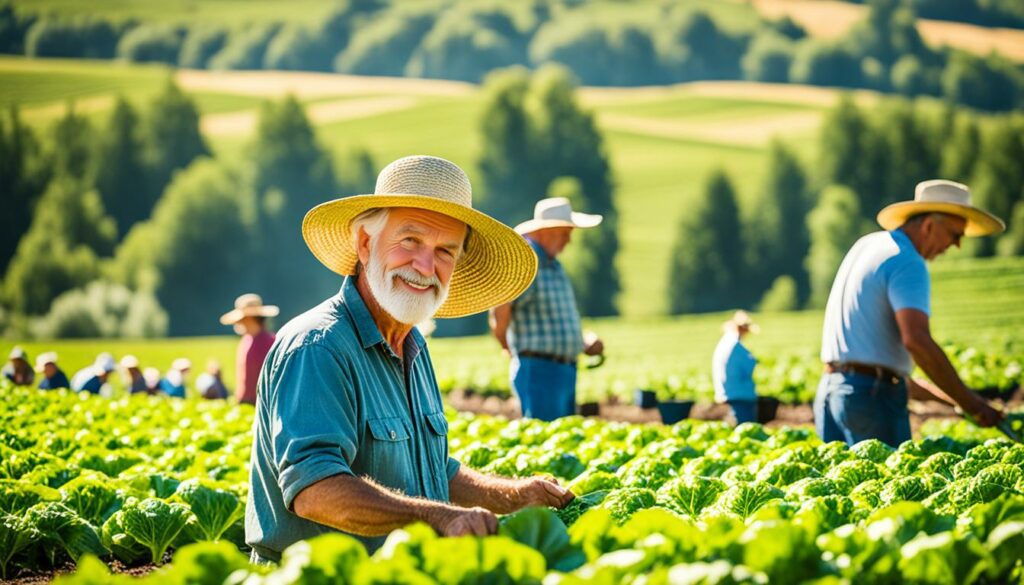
pixel 326 325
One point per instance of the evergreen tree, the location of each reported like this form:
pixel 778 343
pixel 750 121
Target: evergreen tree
pixel 707 257
pixel 293 173
pixel 779 239
pixel 71 150
pixel 998 183
pixel 570 145
pixel 22 177
pixel 121 174
pixel 59 252
pixel 510 184
pixel 960 150
pixel 834 225
pixel 913 155
pixel 196 253
pixel 171 134
pixel 851 154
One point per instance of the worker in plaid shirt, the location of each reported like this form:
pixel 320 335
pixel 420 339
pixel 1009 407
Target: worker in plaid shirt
pixel 541 328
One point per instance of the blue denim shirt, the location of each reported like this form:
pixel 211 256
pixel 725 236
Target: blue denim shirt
pixel 333 398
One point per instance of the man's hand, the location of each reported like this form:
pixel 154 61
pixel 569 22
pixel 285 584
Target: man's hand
pixel 592 344
pixel 982 413
pixel 542 491
pixel 466 521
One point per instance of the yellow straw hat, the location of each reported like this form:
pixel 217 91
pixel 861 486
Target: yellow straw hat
pixel 942 196
pixel 497 266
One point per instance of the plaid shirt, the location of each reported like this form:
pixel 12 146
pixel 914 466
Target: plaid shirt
pixel 545 318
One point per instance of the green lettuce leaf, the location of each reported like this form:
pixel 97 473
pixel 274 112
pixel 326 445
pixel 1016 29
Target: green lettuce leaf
pixel 214 508
pixel 542 530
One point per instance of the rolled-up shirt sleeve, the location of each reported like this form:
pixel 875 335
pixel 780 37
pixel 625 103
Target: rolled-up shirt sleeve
pixel 314 420
pixel 452 468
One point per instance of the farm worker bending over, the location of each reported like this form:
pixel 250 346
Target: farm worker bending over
pixel 350 433
pixel 876 321
pixel 173 384
pixel 17 369
pixel 53 376
pixel 93 378
pixel 732 369
pixel 249 318
pixel 132 374
pixel 541 328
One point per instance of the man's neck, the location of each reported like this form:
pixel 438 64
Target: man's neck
pixel 393 331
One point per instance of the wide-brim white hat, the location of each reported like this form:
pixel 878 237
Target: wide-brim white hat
pixel 557 212
pixel 248 305
pixel 42 359
pixel 496 266
pixel 942 196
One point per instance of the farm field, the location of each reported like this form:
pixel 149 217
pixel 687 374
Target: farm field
pixel 976 304
pixel 661 141
pixel 140 480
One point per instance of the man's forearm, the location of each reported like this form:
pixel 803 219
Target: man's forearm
pixel 359 506
pixel 930 357
pixel 497 494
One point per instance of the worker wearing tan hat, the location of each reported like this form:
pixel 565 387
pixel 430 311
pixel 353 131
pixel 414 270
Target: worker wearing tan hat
pixel 53 376
pixel 249 318
pixel 541 328
pixel 132 374
pixel 17 369
pixel 732 369
pixel 350 433
pixel 877 321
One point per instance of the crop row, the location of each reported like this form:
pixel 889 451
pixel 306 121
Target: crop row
pixel 88 478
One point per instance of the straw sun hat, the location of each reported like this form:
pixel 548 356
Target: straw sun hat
pixel 942 196
pixel 742 319
pixel 248 305
pixel 497 265
pixel 557 212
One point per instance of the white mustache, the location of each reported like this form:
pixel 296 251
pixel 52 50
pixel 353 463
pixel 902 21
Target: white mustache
pixel 412 277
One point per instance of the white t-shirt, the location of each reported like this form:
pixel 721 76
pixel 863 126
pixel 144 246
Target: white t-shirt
pixel 881 274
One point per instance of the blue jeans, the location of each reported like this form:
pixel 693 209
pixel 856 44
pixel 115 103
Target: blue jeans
pixel 546 389
pixel 854 407
pixel 743 410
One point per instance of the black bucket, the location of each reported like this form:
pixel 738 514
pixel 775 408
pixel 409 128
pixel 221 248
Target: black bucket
pixel 590 409
pixel 767 408
pixel 674 411
pixel 645 398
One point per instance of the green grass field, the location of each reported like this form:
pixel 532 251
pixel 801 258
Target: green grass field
pixel 975 302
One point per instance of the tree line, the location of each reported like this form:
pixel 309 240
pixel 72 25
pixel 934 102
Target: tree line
pixel 465 41
pixel 133 228
pixel 784 252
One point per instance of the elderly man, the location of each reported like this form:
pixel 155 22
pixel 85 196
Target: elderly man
pixel 877 321
pixel 350 432
pixel 17 369
pixel 249 319
pixel 541 328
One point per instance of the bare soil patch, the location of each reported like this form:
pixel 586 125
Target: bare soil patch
pixel 243 122
pixel 742 131
pixel 308 85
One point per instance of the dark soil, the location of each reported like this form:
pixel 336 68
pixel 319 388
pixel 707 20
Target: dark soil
pixel 116 566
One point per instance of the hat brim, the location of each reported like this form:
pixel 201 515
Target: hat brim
pixel 236 315
pixel 979 223
pixel 497 266
pixel 579 220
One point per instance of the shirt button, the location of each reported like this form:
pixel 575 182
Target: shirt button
pixel 393 435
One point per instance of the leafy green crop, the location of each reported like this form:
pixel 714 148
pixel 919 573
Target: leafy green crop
pixel 151 523
pixel 214 508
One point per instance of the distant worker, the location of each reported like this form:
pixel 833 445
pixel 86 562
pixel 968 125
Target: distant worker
pixel 209 383
pixel 732 369
pixel 92 379
pixel 152 378
pixel 877 321
pixel 17 369
pixel 53 376
pixel 133 381
pixel 541 328
pixel 176 379
pixel 249 318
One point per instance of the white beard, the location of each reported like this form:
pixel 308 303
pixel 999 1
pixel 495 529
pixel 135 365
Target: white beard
pixel 402 304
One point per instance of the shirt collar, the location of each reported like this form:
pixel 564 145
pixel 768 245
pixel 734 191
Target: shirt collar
pixel 542 254
pixel 366 327
pixel 903 240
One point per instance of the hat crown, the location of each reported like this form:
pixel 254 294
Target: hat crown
pixel 557 208
pixel 942 191
pixel 248 300
pixel 428 176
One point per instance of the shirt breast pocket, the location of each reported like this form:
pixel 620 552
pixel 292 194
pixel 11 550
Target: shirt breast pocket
pixel 437 443
pixel 389 457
